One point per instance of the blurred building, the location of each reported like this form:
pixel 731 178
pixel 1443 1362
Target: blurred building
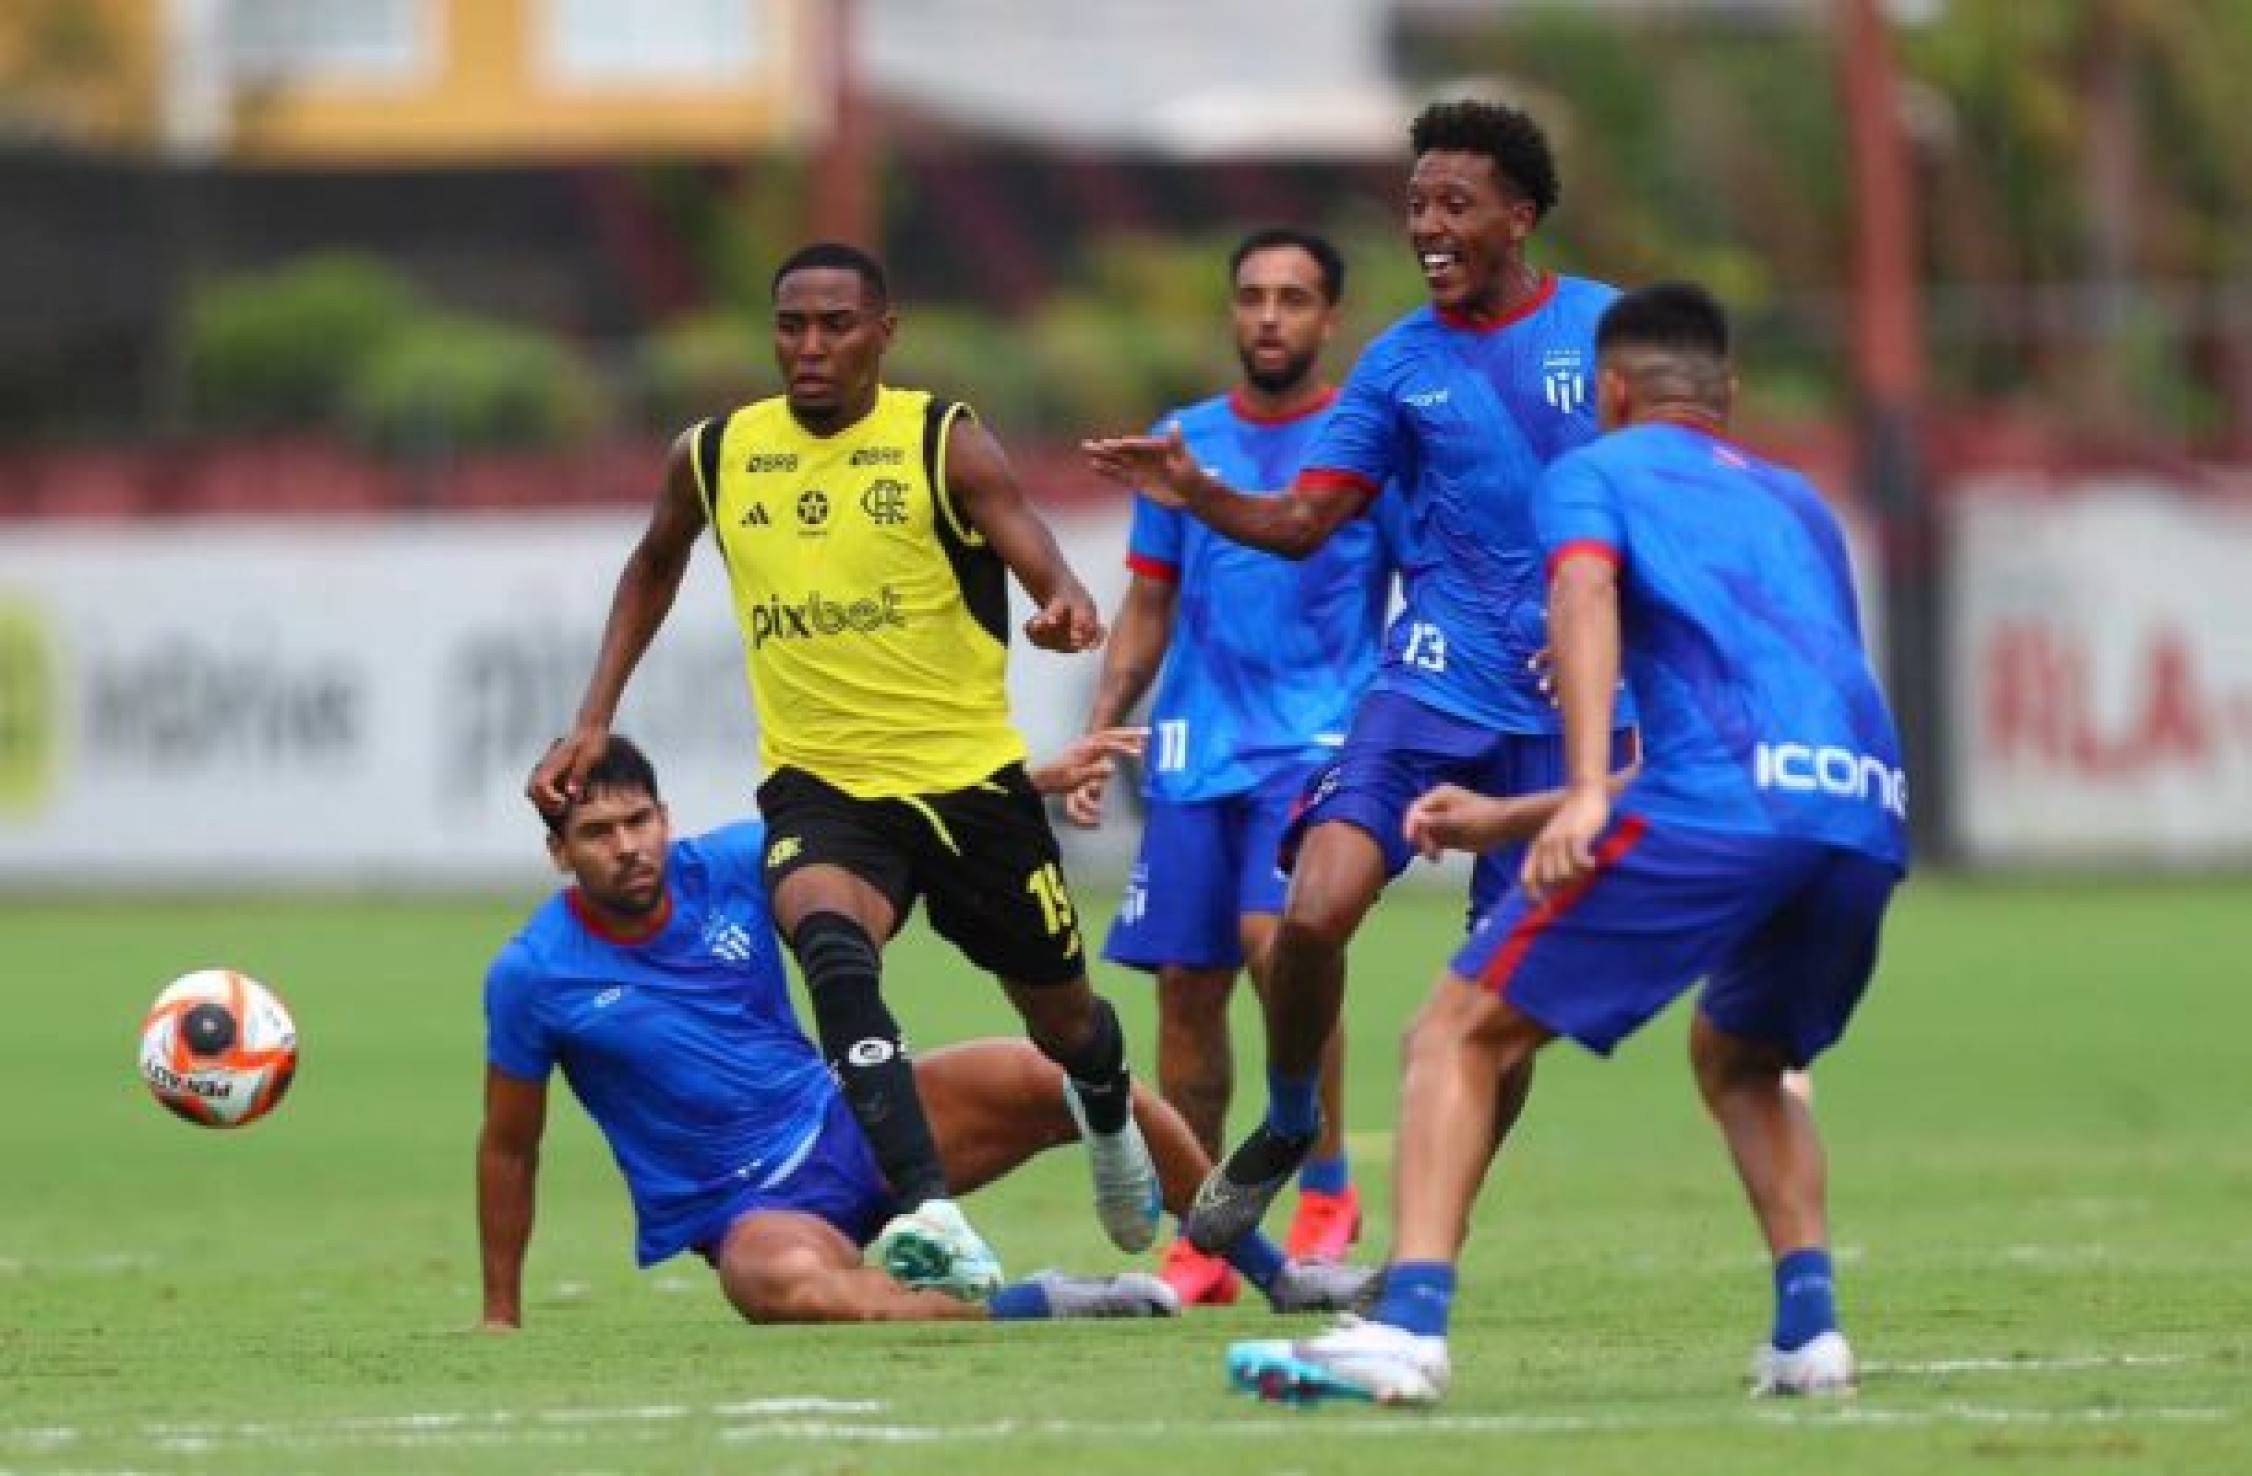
pixel 283 82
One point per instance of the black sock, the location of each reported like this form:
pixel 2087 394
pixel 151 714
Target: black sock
pixel 1098 1070
pixel 866 1053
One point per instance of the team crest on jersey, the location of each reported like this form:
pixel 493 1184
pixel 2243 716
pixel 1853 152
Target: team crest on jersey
pixel 1563 379
pixel 727 939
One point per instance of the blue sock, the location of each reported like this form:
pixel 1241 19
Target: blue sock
pixel 1293 1104
pixel 1805 1298
pixel 1325 1175
pixel 1418 1295
pixel 1258 1258
pixel 1019 1301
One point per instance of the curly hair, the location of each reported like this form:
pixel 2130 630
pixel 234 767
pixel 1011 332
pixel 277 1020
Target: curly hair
pixel 1504 134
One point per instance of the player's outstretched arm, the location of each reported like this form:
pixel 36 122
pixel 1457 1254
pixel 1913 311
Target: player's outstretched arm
pixel 1294 524
pixel 508 1161
pixel 1583 632
pixel 1451 818
pixel 982 484
pixel 1089 759
pixel 644 596
pixel 1138 636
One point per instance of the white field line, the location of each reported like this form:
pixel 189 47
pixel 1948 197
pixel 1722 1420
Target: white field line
pixel 1392 1427
pixel 2070 1363
pixel 816 1417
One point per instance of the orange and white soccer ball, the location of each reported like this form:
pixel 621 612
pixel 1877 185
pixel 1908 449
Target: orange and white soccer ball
pixel 218 1048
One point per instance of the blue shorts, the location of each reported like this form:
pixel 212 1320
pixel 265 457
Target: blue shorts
pixel 838 1180
pixel 1400 749
pixel 1203 866
pixel 1783 931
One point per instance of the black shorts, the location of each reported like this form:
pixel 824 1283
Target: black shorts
pixel 984 856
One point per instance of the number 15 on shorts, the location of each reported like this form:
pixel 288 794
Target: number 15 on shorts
pixel 1047 888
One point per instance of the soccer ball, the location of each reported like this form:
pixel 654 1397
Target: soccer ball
pixel 218 1048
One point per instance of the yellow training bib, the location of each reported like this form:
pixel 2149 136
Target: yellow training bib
pixel 874 617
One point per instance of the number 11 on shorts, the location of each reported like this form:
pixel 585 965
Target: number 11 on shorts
pixel 1172 745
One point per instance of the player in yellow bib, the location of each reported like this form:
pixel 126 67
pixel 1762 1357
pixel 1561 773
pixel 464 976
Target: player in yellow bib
pixel 869 533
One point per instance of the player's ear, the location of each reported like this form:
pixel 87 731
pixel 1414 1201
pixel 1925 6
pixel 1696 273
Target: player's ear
pixel 1614 397
pixel 555 853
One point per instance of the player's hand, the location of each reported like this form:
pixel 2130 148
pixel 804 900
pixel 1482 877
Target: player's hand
pixel 558 778
pixel 1067 623
pixel 1081 773
pixel 1451 818
pixel 1564 851
pixel 1159 467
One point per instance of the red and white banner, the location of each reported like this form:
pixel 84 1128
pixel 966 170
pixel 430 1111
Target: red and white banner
pixel 2101 671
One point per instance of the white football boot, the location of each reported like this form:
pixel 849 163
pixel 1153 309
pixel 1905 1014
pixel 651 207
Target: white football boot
pixel 1356 1359
pixel 933 1246
pixel 1127 1198
pixel 1822 1367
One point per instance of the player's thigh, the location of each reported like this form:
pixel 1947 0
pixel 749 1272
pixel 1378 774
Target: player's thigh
pixel 992 1104
pixel 1520 764
pixel 1179 904
pixel 993 879
pixel 1397 751
pixel 1795 982
pixel 1599 960
pixel 768 1253
pixel 1258 821
pixel 829 852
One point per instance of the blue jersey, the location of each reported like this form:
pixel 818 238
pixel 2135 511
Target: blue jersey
pixel 1743 650
pixel 1461 420
pixel 683 1048
pixel 1268 655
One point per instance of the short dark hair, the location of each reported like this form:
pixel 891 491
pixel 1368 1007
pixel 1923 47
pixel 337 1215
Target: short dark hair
pixel 840 256
pixel 1504 134
pixel 1267 238
pixel 1678 316
pixel 623 768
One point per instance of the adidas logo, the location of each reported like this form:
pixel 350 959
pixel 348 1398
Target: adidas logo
pixel 756 517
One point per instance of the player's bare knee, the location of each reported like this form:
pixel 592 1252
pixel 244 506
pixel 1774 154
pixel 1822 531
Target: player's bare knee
pixel 1316 920
pixel 1724 1062
pixel 1459 1015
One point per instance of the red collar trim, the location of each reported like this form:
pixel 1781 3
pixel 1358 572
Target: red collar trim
pixel 1531 305
pixel 609 932
pixel 1245 410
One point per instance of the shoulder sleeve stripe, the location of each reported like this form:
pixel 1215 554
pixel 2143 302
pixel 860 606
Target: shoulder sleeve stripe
pixel 1584 548
pixel 1332 479
pixel 1157 569
pixel 938 424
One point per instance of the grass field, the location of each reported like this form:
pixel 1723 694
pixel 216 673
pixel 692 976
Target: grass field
pixel 2042 1187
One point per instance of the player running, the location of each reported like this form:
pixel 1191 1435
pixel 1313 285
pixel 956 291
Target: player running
pixel 1262 660
pixel 869 533
pixel 1460 405
pixel 655 984
pixel 1756 849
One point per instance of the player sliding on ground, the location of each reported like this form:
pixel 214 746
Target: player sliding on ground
pixel 869 534
pixel 655 985
pixel 1258 662
pixel 1455 409
pixel 1757 849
